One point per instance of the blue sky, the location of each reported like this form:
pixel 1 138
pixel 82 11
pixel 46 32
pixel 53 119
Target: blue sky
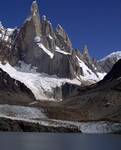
pixel 96 23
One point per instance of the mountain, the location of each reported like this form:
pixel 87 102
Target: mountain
pixel 48 85
pixel 43 58
pixel 107 62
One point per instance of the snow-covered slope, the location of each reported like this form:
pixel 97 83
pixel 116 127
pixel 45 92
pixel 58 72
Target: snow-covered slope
pixel 88 74
pixel 46 87
pixel 116 55
pixel 42 86
pixel 41 46
pixel 107 62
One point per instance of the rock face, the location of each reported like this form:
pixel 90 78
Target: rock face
pixel 37 44
pixel 62 39
pixel 36 19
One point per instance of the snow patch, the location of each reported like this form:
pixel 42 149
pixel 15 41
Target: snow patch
pixel 28 19
pixel 37 39
pixel 50 37
pixel 10 31
pixel 101 75
pixel 46 50
pixel 61 51
pixel 88 74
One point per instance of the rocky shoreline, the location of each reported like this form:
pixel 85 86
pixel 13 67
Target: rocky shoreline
pixel 9 125
pixel 100 127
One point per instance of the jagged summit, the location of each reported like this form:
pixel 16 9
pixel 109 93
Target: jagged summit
pixel 36 18
pixel 34 7
pixel 85 50
pixel 51 51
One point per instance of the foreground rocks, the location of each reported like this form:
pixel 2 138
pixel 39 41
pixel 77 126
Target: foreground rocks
pixel 82 127
pixel 24 126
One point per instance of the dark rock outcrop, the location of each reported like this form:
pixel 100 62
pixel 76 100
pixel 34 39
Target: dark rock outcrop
pixel 115 72
pixel 13 91
pixel 10 125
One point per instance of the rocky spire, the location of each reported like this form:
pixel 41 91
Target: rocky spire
pixel 47 28
pixel 61 32
pixel 85 51
pixel 44 18
pixel 85 54
pixel 36 18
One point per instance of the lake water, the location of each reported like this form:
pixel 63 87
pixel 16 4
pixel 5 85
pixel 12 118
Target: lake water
pixel 51 141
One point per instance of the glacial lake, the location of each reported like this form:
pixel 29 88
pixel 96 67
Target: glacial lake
pixel 55 141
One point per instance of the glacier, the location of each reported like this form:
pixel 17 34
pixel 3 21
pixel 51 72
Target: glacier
pixel 41 84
